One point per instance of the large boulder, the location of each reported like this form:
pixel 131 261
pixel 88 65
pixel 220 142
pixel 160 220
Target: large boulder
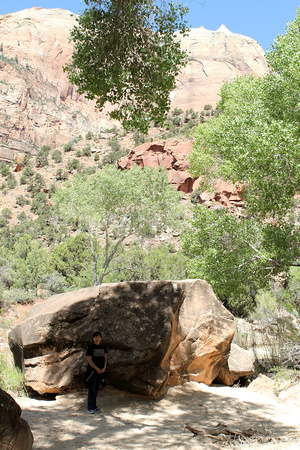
pixel 15 433
pixel 240 364
pixel 157 333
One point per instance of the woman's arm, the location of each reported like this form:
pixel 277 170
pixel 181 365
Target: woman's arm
pixel 89 359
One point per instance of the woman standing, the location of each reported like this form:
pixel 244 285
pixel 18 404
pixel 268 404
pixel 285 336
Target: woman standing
pixel 97 361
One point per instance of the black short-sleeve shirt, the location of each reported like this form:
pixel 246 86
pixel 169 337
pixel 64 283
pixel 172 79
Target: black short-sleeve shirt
pixel 97 352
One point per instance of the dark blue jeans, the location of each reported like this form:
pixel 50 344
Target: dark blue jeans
pixel 93 390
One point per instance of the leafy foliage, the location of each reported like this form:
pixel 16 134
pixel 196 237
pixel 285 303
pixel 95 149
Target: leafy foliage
pixel 120 204
pixel 254 142
pixel 125 53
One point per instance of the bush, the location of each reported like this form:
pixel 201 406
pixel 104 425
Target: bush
pixel 177 112
pixel 68 147
pixel 6 213
pixel 15 295
pixel 96 157
pixel 46 149
pixel 36 184
pixel 89 135
pixel 89 170
pixel 55 284
pixel 114 144
pixel 78 154
pixel 4 169
pixel 22 201
pixel 22 217
pixel 86 151
pixel 57 156
pixel 11 378
pixel 11 182
pixel 73 164
pixel 61 174
pixel 39 203
pixel 41 159
pixel 112 157
pixel 27 174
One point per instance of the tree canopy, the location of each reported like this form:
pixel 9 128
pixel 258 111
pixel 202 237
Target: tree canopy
pixel 125 53
pixel 112 206
pixel 255 142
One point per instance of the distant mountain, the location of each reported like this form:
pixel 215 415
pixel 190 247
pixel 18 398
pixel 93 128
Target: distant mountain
pixel 38 105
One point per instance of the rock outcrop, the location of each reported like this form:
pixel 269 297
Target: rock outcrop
pixel 39 106
pixel 240 364
pixel 214 57
pixel 172 155
pixel 15 433
pixel 157 334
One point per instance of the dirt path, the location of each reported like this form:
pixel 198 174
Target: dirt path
pixel 130 422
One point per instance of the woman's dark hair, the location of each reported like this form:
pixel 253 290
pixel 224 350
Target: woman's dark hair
pixel 97 333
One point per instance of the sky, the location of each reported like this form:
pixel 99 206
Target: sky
pixel 261 20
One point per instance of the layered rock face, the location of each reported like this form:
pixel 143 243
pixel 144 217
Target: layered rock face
pixel 38 105
pixel 214 57
pixel 15 433
pixel 157 334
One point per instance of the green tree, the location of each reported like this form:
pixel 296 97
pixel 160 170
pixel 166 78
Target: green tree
pixel 119 204
pixel 125 53
pixel 255 142
pixel 57 156
pixel 70 259
pixel 30 262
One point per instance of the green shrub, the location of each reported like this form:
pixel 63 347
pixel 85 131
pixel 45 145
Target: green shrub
pixel 78 154
pixel 39 203
pixel 86 151
pixel 22 217
pixel 114 144
pixel 139 138
pixel 73 164
pixel 68 147
pixel 41 159
pixel 11 181
pixel 177 112
pixel 52 189
pixel 89 170
pixel 4 169
pixel 46 149
pixel 11 378
pixel 96 157
pixel 112 157
pixel 22 201
pixel 3 222
pixel 61 174
pixel 55 284
pixel 57 156
pixel 16 295
pixel 36 184
pixel 89 135
pixel 6 213
pixel 27 174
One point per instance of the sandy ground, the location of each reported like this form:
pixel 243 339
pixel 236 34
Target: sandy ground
pixel 127 421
